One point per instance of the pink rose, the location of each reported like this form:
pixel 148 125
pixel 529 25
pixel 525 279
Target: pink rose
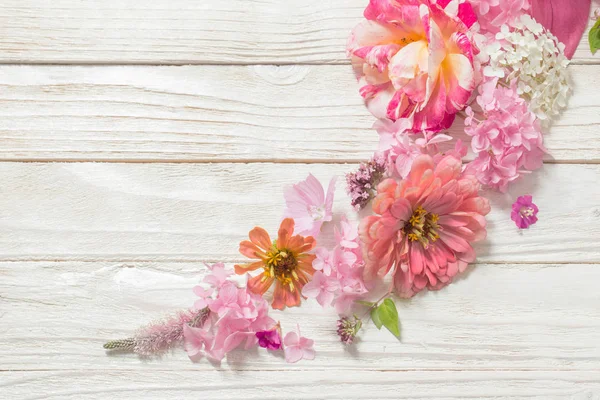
pixel 414 60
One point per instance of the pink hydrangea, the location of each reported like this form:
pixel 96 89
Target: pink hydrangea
pixel 400 148
pixel 236 316
pixel 506 136
pixel 308 205
pixel 339 277
pixel 424 226
pixel 492 14
pixel 414 60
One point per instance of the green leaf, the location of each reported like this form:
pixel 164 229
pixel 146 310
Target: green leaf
pixel 375 318
pixel 595 37
pixel 388 316
pixel 365 303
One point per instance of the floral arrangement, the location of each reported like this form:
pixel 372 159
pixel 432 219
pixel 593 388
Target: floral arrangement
pixel 462 93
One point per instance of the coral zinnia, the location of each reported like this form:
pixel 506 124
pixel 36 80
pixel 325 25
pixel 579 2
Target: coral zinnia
pixel 284 261
pixel 424 226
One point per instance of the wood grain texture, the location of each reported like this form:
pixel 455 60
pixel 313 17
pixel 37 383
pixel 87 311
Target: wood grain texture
pixel 442 385
pixel 94 211
pixel 183 31
pixel 525 317
pixel 212 113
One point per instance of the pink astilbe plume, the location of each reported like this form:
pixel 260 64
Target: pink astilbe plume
pixel 158 337
pixel 424 225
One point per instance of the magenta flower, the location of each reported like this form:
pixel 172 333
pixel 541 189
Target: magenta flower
pixel 298 347
pixel 307 204
pixel 270 339
pixel 524 212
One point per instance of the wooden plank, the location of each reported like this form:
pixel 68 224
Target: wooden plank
pixel 94 211
pixel 324 384
pixel 211 113
pixel 496 317
pixel 182 31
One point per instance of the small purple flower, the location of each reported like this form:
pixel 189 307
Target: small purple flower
pixel 270 339
pixel 347 329
pixel 362 183
pixel 524 212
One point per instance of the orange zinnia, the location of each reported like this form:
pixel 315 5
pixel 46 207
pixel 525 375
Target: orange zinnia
pixel 284 261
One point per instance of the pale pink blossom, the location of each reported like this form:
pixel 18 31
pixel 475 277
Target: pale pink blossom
pixel 323 261
pixel 322 288
pixel 298 347
pixel 414 60
pixel 218 275
pixel 196 341
pixel 204 297
pixel 424 225
pixel 347 234
pixel 339 280
pixel 307 204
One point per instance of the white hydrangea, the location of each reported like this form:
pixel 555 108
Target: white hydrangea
pixel 528 53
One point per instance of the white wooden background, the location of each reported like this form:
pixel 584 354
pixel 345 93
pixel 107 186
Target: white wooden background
pixel 138 139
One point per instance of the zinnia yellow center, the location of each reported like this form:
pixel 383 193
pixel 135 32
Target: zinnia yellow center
pixel 422 227
pixel 281 264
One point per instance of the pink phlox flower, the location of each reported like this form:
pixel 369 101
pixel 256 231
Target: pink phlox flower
pixel 347 234
pixel 524 212
pixel 297 347
pixel 389 131
pixel 218 275
pixel 322 288
pixel 307 204
pixel 324 260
